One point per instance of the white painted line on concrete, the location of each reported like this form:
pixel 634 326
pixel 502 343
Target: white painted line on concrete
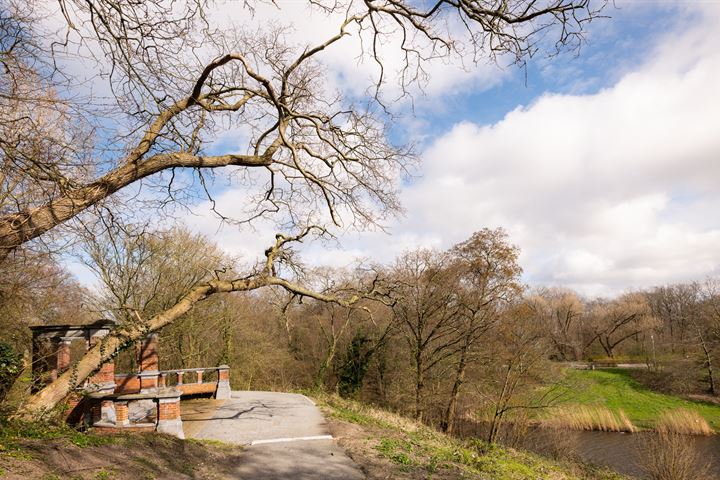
pixel 308 399
pixel 291 439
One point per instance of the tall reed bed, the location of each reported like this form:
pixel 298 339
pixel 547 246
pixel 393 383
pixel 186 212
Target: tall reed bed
pixel 583 417
pixel 683 421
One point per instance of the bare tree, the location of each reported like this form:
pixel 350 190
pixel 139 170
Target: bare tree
pixel 311 156
pixel 518 366
pixel 616 321
pixel 427 307
pixel 264 276
pixel 489 279
pixel 674 306
pixel 562 312
pixel 176 80
pixel 143 272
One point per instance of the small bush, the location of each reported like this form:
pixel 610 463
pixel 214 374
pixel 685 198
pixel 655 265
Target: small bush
pixel 669 456
pixel 10 368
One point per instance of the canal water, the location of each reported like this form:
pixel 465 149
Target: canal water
pixel 622 452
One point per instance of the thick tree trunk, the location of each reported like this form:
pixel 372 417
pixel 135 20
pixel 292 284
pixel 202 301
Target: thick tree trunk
pixel 18 228
pixel 53 394
pixel 708 364
pixel 419 386
pixel 325 365
pixel 448 422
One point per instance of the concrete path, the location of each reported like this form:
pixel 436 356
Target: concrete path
pixel 286 437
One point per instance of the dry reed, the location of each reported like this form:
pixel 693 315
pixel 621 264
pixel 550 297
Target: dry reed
pixel 683 421
pixel 581 417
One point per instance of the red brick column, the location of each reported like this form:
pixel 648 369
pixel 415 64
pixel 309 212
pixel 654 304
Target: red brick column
pixel 96 410
pixel 149 363
pixel 121 414
pixel 148 355
pixel 63 354
pixel 169 420
pixel 104 379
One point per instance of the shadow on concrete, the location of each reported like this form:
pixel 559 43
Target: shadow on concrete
pixel 320 460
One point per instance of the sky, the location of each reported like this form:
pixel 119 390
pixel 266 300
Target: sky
pixel 602 165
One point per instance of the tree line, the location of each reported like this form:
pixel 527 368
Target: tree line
pixel 443 336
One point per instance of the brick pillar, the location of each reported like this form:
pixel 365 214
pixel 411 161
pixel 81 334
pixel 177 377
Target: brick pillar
pixel 169 420
pixel 104 379
pixel 96 411
pixel 149 363
pixel 63 354
pixel 148 355
pixel 199 376
pixel 121 414
pixel 180 377
pixel 223 386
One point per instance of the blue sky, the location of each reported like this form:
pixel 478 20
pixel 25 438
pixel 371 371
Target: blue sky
pixel 601 165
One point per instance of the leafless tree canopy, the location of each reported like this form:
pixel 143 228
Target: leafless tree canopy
pixel 168 81
pixel 310 154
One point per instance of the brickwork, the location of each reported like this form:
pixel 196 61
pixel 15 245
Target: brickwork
pixel 127 383
pixel 195 388
pixel 105 375
pixel 96 411
pixel 169 411
pixel 148 382
pixel 76 407
pixel 63 355
pixel 148 357
pixel 121 413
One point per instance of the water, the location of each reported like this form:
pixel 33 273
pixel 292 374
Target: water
pixel 622 452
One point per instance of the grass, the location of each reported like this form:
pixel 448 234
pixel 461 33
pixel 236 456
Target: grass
pixel 413 450
pixel 11 433
pixel 41 450
pixel 617 391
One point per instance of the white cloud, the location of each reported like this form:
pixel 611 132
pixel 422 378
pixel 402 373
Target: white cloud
pixel 350 70
pixel 603 192
pixel 591 186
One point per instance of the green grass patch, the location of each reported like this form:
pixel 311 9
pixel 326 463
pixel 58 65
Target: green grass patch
pixel 11 432
pixel 617 390
pixel 396 451
pixel 413 447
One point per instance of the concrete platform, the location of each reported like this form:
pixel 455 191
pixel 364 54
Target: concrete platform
pixel 285 434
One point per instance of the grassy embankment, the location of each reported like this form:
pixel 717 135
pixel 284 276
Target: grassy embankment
pixel 607 396
pixel 43 452
pixel 387 445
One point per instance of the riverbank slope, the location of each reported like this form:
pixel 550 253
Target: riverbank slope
pixel 616 390
pixel 387 445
